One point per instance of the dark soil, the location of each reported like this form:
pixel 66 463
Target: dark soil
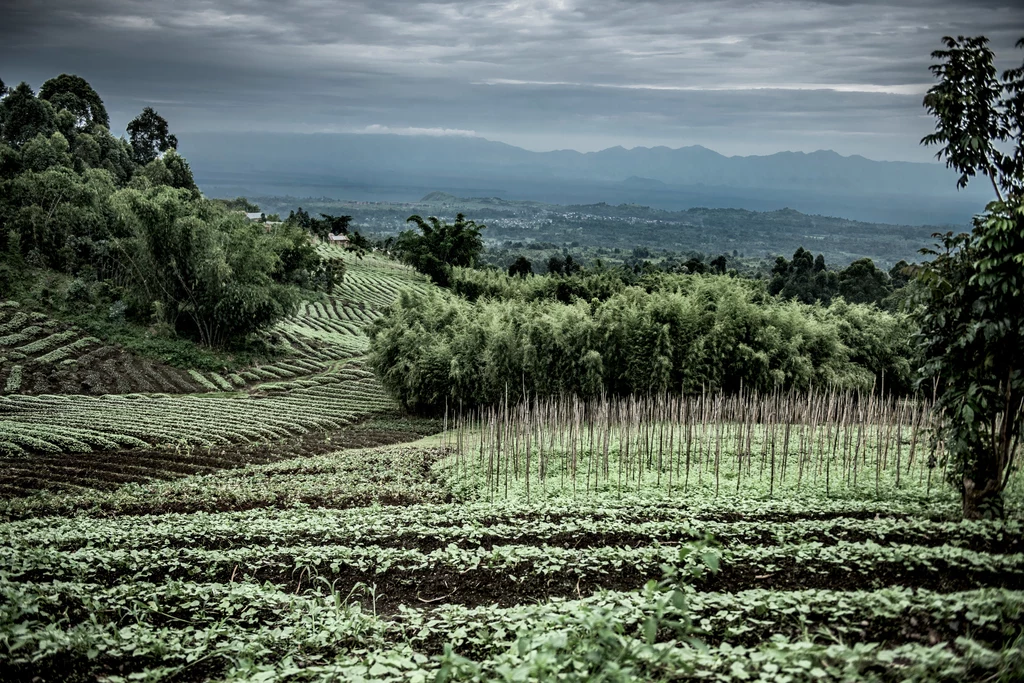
pixel 426 542
pixel 487 587
pixel 99 370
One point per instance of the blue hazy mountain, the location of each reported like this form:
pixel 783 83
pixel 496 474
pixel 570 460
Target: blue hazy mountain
pixel 404 168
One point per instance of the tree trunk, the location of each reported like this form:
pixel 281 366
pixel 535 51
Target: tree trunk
pixel 984 501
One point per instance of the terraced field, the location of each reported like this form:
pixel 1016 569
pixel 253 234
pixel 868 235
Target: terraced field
pixel 175 421
pixel 39 355
pixel 295 571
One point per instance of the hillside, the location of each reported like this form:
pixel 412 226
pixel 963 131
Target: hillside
pixel 317 387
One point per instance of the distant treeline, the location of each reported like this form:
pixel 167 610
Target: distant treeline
pixel 804 278
pixel 670 333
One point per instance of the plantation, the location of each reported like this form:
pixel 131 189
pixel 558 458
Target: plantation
pixel 195 421
pixel 250 527
pixel 385 564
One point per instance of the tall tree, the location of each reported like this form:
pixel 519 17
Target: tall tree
pixel 149 136
pixel 441 245
pixel 74 94
pixel 862 282
pixel 968 304
pixel 521 267
pixel 24 116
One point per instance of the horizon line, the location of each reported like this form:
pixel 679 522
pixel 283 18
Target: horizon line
pixel 464 134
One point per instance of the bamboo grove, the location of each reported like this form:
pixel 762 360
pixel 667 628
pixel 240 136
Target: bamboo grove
pixel 679 334
pixel 774 444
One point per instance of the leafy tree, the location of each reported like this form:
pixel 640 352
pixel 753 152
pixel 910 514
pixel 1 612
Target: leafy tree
pixel 199 270
pixel 74 200
pixel 863 283
pixel 74 94
pixel 719 264
pixel 977 114
pixel 696 266
pixel 805 278
pixel 556 265
pixel 520 267
pixel 440 246
pixel 969 297
pixel 901 274
pixel 149 136
pixel 687 334
pixel 299 217
pixel 41 153
pixel 238 204
pixel 24 116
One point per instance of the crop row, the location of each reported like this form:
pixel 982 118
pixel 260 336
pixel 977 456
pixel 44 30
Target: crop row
pixel 342 479
pixel 194 420
pixel 143 626
pixel 748 617
pixel 422 528
pixel 501 573
pixel 886 614
pixel 329 330
pixel 581 650
pixel 39 355
pixel 57 438
pixel 406 475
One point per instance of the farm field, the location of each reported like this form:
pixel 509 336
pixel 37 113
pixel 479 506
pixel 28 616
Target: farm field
pixel 266 526
pixel 389 564
pixel 163 422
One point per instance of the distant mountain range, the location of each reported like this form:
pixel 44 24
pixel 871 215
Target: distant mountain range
pixel 404 168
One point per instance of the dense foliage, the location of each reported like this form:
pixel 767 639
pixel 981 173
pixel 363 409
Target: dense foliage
pixel 686 333
pixel 126 224
pixel 806 278
pixel 969 305
pixel 207 273
pixel 439 246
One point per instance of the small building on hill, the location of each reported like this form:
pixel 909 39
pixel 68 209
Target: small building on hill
pixel 339 240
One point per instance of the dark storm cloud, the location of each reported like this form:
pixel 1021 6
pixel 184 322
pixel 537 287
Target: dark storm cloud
pixel 739 77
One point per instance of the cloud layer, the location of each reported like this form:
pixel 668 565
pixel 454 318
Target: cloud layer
pixel 735 76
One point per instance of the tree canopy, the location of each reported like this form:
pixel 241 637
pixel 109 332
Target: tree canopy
pixel 684 333
pixel 74 94
pixel 440 245
pixel 150 136
pixel 132 226
pixel 23 116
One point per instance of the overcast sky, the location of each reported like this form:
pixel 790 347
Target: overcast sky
pixel 738 77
